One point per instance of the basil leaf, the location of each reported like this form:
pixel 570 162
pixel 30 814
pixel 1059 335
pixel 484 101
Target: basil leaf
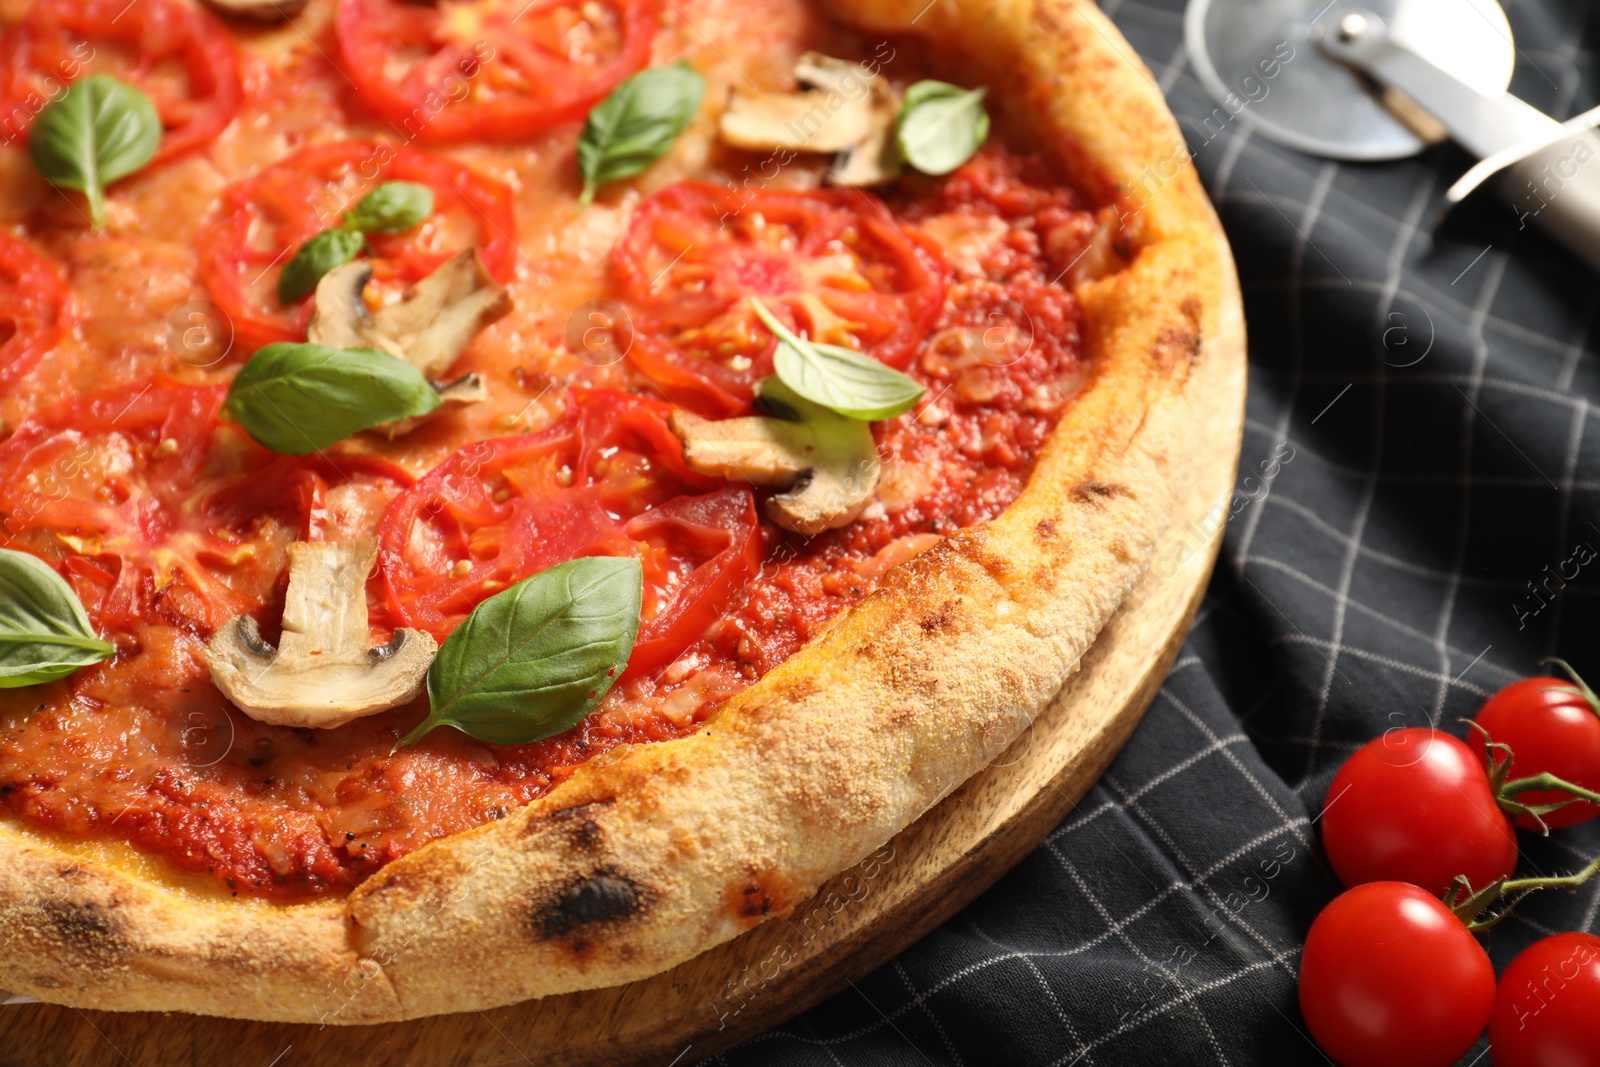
pixel 44 632
pixel 841 379
pixel 637 123
pixel 327 250
pixel 298 398
pixel 532 661
pixel 941 126
pixel 99 130
pixel 391 207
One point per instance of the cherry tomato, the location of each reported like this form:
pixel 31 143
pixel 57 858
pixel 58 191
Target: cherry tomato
pixel 491 69
pixel 35 307
pixel 1547 1008
pixel 1391 978
pixel 829 263
pixel 262 220
pixel 607 480
pixel 178 54
pixel 1415 806
pixel 1550 729
pixel 150 505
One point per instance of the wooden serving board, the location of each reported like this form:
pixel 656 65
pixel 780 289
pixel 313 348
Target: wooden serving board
pixel 855 923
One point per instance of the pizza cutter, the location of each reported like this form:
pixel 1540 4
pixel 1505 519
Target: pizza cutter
pixel 1374 80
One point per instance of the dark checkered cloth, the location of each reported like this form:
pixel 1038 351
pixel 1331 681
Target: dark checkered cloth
pixel 1427 396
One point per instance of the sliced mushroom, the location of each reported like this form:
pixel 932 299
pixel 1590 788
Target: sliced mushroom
pixel 871 159
pixel 340 317
pixel 259 10
pixel 817 71
pixel 814 120
pixel 828 463
pixel 322 674
pixel 845 108
pixel 429 329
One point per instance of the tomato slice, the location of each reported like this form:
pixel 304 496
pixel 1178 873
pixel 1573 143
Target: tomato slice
pixel 607 480
pixel 178 54
pixel 152 507
pixel 494 70
pixel 262 220
pixel 830 263
pixel 719 528
pixel 35 306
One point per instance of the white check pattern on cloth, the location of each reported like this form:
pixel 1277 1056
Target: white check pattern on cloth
pixel 1437 387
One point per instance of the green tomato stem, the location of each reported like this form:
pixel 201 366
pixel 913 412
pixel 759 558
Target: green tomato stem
pixel 1473 908
pixel 1589 695
pixel 1498 756
pixel 1548 782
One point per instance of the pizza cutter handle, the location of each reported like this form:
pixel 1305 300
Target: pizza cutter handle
pixel 1540 166
pixel 1557 188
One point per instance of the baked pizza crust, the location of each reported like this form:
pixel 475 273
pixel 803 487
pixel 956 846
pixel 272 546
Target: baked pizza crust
pixel 653 855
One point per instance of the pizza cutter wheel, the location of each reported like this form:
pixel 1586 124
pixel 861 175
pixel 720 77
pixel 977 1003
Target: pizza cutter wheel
pixel 1382 79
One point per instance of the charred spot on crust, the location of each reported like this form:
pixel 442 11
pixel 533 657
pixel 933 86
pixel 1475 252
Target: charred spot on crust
pixel 580 810
pixel 763 895
pixel 1045 530
pixel 78 922
pixel 754 903
pixel 588 835
pixel 943 619
pixel 1175 347
pixel 794 688
pixel 973 545
pixel 603 895
pixel 782 693
pixel 904 716
pixel 583 832
pixel 1093 491
pixel 87 927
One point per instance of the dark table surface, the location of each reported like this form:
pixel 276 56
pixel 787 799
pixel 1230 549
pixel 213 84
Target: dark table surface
pixel 1420 447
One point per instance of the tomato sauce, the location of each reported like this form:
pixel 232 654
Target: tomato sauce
pixel 117 467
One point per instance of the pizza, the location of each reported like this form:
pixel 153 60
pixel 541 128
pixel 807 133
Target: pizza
pixel 500 497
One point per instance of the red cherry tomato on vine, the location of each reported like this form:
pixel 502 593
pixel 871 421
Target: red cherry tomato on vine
pixel 1391 978
pixel 1550 728
pixel 1415 806
pixel 1547 1008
